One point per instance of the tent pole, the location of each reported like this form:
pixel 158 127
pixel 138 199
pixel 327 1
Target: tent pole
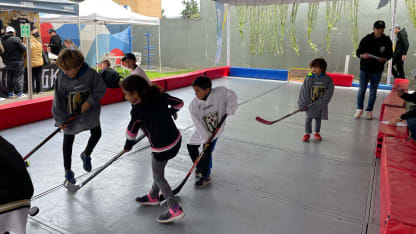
pixel 79 32
pixel 228 35
pixel 160 52
pixel 393 22
pixel 96 46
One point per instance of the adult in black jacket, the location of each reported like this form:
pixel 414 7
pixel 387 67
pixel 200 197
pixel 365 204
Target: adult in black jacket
pixel 110 76
pixel 409 116
pixel 16 189
pixel 374 50
pixel 402 45
pixel 14 50
pixel 55 43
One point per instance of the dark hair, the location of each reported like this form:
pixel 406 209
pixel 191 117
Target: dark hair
pixel 319 62
pixel 148 93
pixel 106 62
pixel 202 82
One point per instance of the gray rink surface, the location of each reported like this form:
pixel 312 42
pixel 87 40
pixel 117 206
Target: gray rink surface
pixel 265 179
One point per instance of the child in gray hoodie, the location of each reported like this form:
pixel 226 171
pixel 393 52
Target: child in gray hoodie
pixel 78 91
pixel 316 92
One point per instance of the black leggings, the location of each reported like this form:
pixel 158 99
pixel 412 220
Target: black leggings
pixel 69 141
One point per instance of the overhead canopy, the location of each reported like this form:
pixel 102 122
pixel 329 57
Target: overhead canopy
pixel 267 2
pixel 102 12
pixel 63 7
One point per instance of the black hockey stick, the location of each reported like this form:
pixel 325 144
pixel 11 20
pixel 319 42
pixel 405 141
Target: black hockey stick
pixel 267 122
pixel 204 151
pixel 74 187
pixel 44 141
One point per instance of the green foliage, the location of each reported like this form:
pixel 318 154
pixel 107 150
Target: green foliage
pixel 411 7
pixel 312 14
pixel 292 28
pixel 191 10
pixel 333 14
pixel 353 18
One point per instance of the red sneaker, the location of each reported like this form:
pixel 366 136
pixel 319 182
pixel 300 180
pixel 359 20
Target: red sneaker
pixel 317 136
pixel 306 138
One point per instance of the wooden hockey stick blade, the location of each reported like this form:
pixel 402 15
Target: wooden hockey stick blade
pixel 263 121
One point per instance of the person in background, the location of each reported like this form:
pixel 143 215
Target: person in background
pixel 400 51
pixel 69 44
pixel 374 51
pixel 37 61
pixel 14 50
pixel 130 60
pixel 110 76
pixel 55 43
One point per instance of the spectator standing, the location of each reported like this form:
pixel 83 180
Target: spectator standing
pixel 37 61
pixel 374 50
pixel 400 52
pixel 55 43
pixel 14 50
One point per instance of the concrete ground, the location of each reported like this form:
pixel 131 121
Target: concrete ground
pixel 265 179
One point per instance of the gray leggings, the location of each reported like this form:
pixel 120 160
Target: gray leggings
pixel 160 183
pixel 308 125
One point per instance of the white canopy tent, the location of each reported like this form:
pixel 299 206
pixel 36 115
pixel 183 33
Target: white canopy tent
pixel 103 12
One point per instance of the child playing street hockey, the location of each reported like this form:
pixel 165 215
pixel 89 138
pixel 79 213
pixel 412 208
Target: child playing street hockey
pixel 78 91
pixel 151 112
pixel 316 92
pixel 207 108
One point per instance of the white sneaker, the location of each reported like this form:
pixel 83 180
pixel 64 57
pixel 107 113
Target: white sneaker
pixel 369 115
pixel 358 114
pixel 21 95
pixel 2 99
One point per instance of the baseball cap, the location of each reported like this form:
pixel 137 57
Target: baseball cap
pixel 379 24
pixel 51 30
pixel 128 56
pixel 10 29
pixel 397 26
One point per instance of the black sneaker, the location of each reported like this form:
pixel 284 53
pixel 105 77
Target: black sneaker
pixel 203 181
pixel 86 162
pixel 70 176
pixel 171 215
pixel 148 200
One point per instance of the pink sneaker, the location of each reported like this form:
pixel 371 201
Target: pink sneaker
pixel 148 200
pixel 171 215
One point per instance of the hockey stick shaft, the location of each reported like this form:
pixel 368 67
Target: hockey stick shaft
pixel 263 121
pixel 47 139
pixel 204 151
pixel 108 163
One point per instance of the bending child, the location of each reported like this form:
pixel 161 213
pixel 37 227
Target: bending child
pixel 151 112
pixel 78 91
pixel 207 109
pixel 315 94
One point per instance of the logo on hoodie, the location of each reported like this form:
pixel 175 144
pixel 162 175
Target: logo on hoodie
pixel 211 121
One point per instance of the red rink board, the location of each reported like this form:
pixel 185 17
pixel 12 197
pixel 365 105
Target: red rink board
pixel 398 187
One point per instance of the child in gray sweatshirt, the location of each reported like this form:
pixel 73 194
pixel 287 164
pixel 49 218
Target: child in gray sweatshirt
pixel 316 92
pixel 78 91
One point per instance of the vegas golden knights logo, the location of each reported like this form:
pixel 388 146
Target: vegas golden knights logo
pixel 317 92
pixel 76 99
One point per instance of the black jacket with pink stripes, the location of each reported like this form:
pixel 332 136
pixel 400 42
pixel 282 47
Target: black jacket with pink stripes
pixel 156 122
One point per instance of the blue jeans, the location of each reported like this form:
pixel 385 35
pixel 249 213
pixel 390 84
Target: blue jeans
pixel 374 80
pixel 411 124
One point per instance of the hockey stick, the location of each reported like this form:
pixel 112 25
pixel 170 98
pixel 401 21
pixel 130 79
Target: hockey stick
pixel 45 140
pixel 267 122
pixel 74 187
pixel 204 151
